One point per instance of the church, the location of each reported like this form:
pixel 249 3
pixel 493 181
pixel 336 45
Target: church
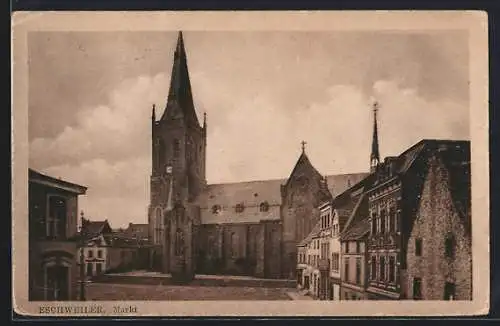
pixel 241 228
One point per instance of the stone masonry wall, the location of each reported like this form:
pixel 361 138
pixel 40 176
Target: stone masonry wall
pixel 436 218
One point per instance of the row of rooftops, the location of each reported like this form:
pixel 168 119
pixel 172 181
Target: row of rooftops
pixel 353 219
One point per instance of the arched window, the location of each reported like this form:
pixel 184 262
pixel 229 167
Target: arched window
pixel 264 207
pixel 176 148
pixel 179 242
pixel 215 209
pixel 239 208
pixel 161 153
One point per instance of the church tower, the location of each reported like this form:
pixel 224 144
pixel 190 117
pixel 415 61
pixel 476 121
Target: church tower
pixel 375 154
pixel 178 171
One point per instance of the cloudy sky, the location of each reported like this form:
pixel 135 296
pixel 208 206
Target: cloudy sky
pixel 90 98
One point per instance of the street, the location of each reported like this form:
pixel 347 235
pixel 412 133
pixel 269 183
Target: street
pixel 107 291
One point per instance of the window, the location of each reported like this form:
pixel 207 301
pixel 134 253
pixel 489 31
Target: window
pixel 392 269
pixel 99 253
pixel 449 291
pixel 179 242
pixel 90 254
pixel 382 268
pixel 264 207
pixel 56 221
pixel 335 261
pixel 382 221
pixel 374 223
pixel 346 247
pixel 215 209
pixel 234 245
pixel 449 246
pixel 417 288
pixel 176 148
pixel 358 270
pixel 239 208
pixel 373 266
pixel 346 269
pixel 418 247
pixel 392 220
pixel 358 247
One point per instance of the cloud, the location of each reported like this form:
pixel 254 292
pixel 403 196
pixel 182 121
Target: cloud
pixel 115 131
pixel 255 137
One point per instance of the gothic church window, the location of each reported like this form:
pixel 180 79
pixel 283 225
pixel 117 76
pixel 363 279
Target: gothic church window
pixel 179 242
pixel 176 148
pixel 233 243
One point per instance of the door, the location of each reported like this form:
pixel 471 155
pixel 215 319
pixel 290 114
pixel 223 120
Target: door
pixel 57 288
pixel 90 269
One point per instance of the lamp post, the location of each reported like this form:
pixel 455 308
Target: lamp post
pixel 82 259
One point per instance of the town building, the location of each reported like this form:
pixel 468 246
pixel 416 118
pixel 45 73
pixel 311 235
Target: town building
pixel 249 228
pixel 107 250
pixel 53 211
pixel 439 244
pixel 419 206
pixel 95 247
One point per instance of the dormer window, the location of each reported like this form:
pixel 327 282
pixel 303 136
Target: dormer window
pixel 239 208
pixel 264 207
pixel 216 209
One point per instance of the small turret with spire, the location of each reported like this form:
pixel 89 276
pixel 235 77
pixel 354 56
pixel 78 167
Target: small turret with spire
pixel 375 154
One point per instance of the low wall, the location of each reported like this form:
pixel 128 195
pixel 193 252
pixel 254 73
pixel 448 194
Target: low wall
pixel 205 281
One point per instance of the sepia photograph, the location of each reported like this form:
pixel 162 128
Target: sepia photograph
pixel 220 163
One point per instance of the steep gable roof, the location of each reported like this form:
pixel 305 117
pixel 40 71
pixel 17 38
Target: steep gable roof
pixel 94 228
pixel 303 163
pixel 356 231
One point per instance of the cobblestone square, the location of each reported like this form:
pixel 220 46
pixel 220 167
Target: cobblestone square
pixel 110 292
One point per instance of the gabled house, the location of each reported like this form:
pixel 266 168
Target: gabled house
pixel 96 246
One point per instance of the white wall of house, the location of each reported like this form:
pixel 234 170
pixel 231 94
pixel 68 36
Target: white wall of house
pixel 95 257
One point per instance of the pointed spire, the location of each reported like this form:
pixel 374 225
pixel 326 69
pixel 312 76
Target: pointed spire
pixel 204 120
pixel 375 154
pixel 153 113
pixel 180 98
